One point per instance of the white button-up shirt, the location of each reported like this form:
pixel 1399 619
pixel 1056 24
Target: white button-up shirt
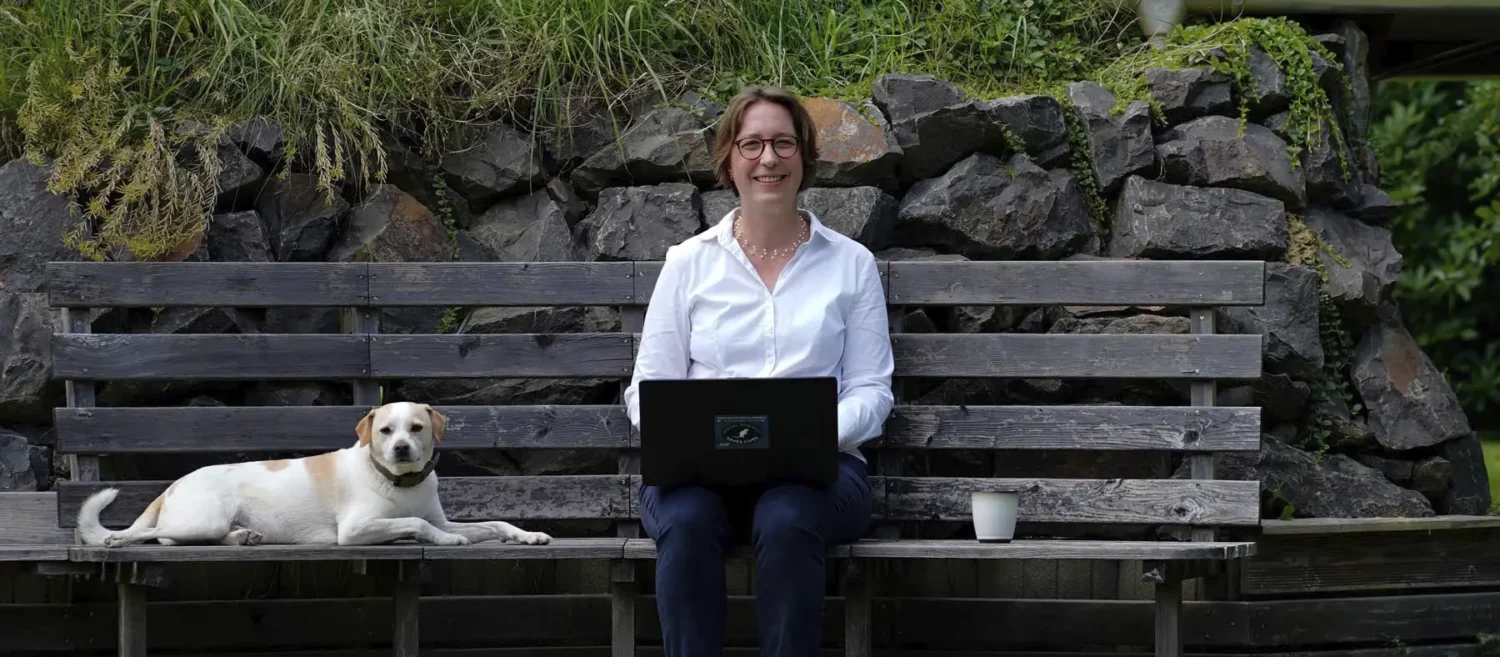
pixel 711 316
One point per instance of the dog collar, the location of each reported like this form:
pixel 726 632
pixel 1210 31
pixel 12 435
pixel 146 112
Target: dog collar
pixel 408 479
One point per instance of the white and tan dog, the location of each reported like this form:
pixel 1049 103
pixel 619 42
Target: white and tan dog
pixel 379 490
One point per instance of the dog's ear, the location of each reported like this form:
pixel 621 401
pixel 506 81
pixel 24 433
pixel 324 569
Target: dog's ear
pixel 439 422
pixel 363 428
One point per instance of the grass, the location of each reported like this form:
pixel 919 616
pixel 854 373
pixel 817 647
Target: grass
pixel 113 89
pixel 1491 445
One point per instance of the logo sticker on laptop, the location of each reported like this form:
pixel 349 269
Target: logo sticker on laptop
pixel 742 432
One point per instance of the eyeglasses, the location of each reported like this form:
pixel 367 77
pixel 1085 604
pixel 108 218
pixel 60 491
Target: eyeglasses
pixel 752 147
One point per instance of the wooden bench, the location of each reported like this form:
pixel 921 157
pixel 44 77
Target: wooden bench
pixel 1053 510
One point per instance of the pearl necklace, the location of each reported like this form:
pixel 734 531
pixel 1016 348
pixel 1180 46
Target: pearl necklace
pixel 779 252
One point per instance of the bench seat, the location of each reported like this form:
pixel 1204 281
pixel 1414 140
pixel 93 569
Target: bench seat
pixel 560 548
pixel 33 553
pixel 916 548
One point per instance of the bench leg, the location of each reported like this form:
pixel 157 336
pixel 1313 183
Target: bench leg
pixel 622 600
pixel 858 640
pixel 132 619
pixel 1168 615
pixel 406 602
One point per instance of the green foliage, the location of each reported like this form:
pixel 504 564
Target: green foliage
pixel 1439 149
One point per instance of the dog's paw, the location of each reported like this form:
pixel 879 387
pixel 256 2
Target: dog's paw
pixel 452 539
pixel 113 541
pixel 533 538
pixel 244 536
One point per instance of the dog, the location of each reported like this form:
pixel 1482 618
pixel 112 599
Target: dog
pixel 379 490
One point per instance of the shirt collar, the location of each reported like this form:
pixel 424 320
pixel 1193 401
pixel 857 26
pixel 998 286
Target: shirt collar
pixel 723 232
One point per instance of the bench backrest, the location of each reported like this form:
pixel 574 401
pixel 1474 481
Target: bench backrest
pixel 1195 428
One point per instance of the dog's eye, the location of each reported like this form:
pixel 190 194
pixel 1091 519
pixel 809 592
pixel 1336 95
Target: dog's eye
pixel 416 427
pixel 385 430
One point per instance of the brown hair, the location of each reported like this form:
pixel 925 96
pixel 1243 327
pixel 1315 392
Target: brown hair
pixel 734 116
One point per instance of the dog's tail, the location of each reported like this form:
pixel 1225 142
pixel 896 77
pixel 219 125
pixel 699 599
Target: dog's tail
pixel 91 532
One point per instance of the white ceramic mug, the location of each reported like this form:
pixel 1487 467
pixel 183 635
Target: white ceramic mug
pixel 994 514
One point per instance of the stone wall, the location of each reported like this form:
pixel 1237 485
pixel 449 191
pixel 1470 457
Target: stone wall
pixel 917 171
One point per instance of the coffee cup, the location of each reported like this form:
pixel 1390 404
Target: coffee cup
pixel 994 514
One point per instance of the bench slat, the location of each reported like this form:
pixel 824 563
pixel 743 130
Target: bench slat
pixel 559 548
pixel 1103 501
pixel 1063 356
pixel 1048 549
pixel 321 428
pixel 1083 282
pixel 613 497
pixel 502 284
pixel 126 356
pixel 205 284
pixel 502 355
pixel 318 428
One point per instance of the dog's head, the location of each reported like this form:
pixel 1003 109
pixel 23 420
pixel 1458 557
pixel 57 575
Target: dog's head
pixel 403 435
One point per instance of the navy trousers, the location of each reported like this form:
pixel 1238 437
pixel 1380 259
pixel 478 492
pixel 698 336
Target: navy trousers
pixel 790 527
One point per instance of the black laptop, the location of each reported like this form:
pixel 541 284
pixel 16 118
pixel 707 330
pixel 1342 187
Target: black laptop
pixel 735 432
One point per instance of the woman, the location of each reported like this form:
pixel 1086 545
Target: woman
pixel 768 291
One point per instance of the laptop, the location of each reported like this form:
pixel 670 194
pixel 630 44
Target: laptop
pixel 741 431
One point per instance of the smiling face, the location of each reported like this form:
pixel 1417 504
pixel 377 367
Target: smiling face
pixel 403 435
pixel 769 178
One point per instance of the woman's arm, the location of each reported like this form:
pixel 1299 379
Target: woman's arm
pixel 865 398
pixel 664 335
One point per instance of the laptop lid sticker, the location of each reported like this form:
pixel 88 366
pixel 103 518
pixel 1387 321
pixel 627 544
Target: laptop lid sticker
pixel 742 432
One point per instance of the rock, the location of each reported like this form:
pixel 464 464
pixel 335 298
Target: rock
pixel 1162 220
pixel 541 319
pixel 931 142
pixel 1410 404
pixel 411 174
pixel 1375 206
pixel 1278 123
pixel 391 226
pixel 1190 93
pixel 573 206
pixel 1470 493
pixel 855 146
pixel 181 319
pixel 1329 486
pixel 300 220
pixel 1367 265
pixel 238 237
pixel 503 161
pixel 904 253
pixel 988 208
pixel 717 204
pixel 1288 320
pixel 1120 145
pixel 33 222
pixel 1268 90
pixel 864 214
pixel 1211 152
pixel 902 95
pixel 1329 170
pixel 667 146
pixel 1038 122
pixel 238 175
pixel 1281 398
pixel 1134 324
pixel 1398 471
pixel 1327 75
pixel 1432 476
pixel 1355 102
pixel 27 392
pixel 530 228
pixel 16 473
pixel 262 138
pixel 641 223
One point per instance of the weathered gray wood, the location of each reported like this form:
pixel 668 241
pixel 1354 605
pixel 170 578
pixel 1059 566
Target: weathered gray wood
pixel 858 610
pixel 622 601
pixel 1085 282
pixel 1025 355
pixel 502 355
pixel 206 284
pixel 321 428
pixel 464 498
pixel 502 284
pixel 1393 562
pixel 406 594
pixel 1104 501
pixel 1321 526
pixel 154 553
pixel 132 615
pixel 1202 393
pixel 30 518
pixel 79 394
pixel 363 321
pixel 1048 549
pixel 57 552
pixel 1168 611
pixel 1172 428
pixel 645 549
pixel 561 547
pixel 1413 618
pixel 249 357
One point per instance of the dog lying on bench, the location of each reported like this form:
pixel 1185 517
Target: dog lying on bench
pixel 379 490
